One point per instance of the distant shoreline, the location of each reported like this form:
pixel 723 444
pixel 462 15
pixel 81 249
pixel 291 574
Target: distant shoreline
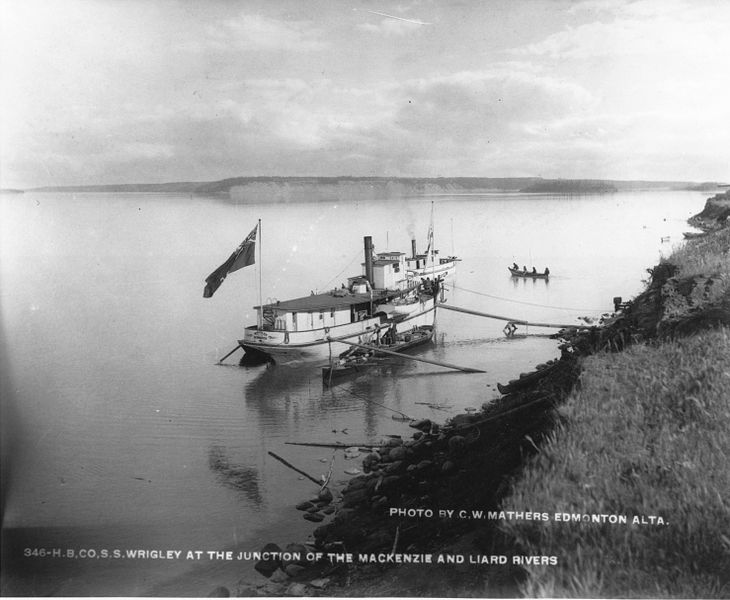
pixel 302 188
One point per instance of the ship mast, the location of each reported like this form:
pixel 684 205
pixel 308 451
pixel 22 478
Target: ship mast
pixel 432 244
pixel 260 312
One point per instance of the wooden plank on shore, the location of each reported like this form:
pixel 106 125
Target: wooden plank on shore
pixel 227 355
pixel 293 468
pixel 425 360
pixel 501 318
pixel 332 445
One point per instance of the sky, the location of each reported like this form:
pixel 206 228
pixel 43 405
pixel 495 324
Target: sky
pixel 152 91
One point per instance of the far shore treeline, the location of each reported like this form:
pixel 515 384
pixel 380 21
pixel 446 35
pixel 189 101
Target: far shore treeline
pixel 389 186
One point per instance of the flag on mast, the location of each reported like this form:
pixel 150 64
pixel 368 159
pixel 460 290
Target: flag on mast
pixel 430 239
pixel 243 256
pixel 430 248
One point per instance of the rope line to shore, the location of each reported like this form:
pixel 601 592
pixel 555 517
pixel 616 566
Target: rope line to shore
pixel 456 287
pixel 499 415
pixel 508 319
pixel 486 419
pixel 368 400
pixel 347 266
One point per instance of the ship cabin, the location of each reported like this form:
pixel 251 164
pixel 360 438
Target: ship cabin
pixel 418 261
pixel 421 261
pixel 357 301
pixel 389 271
pixel 316 311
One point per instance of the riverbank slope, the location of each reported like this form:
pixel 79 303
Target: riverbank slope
pixel 628 424
pixel 645 436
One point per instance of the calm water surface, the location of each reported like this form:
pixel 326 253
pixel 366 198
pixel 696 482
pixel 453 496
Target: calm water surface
pixel 125 434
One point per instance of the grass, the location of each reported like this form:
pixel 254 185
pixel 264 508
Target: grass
pixel 647 434
pixel 706 263
pixel 706 257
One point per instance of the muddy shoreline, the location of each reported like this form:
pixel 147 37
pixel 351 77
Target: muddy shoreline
pixel 396 507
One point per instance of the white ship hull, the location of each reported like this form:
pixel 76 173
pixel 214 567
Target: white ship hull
pixel 443 270
pixel 323 343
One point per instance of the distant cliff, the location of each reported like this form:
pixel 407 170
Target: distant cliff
pixel 283 189
pixel 571 186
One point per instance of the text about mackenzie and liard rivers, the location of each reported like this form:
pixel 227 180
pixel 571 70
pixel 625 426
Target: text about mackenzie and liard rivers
pixel 379 558
pixel 297 557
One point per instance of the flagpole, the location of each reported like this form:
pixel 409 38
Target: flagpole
pixel 261 304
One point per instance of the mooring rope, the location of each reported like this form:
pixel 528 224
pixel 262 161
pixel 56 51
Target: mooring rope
pixel 527 303
pixel 510 320
pixel 368 400
pixel 347 266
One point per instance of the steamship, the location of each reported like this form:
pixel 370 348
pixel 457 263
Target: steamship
pixel 395 290
pixel 430 264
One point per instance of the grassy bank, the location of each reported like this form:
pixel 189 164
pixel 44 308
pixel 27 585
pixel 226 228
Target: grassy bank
pixel 707 256
pixel 646 434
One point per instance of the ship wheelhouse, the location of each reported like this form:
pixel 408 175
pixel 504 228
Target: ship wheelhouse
pixel 317 311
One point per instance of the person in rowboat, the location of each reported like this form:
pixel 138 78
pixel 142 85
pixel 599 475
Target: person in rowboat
pixel 389 337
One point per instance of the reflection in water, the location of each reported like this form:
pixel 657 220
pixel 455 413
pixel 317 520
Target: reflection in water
pixel 525 281
pixel 282 395
pixel 237 477
pixel 371 410
pixel 376 391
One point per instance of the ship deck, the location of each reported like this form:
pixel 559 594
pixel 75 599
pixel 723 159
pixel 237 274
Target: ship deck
pixel 330 300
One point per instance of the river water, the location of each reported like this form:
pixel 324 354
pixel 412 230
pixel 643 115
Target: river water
pixel 121 432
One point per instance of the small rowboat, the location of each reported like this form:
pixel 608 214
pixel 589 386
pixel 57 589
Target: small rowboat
pixel 358 361
pixel 521 273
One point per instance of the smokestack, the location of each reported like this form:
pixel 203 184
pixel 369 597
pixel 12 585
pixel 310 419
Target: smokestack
pixel 369 258
pixel 413 247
